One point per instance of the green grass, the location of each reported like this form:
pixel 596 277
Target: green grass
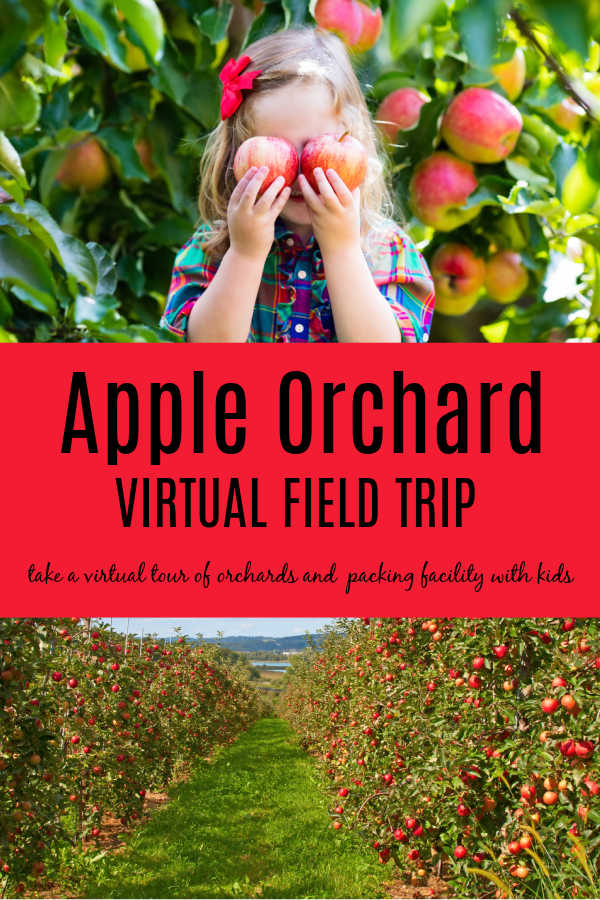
pixel 251 823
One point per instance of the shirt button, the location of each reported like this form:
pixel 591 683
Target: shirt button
pixel 425 338
pixel 299 327
pixel 290 242
pixel 301 274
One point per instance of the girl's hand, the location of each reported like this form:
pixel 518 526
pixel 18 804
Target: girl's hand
pixel 334 211
pixel 251 221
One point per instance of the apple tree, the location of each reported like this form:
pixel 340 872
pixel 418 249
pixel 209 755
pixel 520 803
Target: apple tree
pixel 489 114
pixel 461 747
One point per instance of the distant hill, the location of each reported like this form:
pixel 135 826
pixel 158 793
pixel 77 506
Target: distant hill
pixel 245 644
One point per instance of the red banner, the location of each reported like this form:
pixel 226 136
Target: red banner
pixel 297 480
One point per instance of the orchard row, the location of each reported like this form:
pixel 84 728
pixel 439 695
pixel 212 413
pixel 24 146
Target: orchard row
pixel 463 746
pixel 88 724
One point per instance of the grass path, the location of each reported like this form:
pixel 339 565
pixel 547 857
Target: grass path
pixel 251 823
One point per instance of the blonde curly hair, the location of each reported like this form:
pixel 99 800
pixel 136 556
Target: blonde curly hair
pixel 311 56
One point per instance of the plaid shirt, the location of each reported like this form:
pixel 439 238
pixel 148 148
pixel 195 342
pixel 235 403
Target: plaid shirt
pixel 293 301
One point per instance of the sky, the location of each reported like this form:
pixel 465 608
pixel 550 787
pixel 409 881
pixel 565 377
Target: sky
pixel 280 627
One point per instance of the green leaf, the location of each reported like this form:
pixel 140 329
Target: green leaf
pixel 419 141
pixel 38 70
pixel 11 161
pixel 7 338
pixel 567 20
pixel 170 77
pixel 488 192
pixel 120 144
pixel 269 21
pixel 562 161
pixel 590 236
pixel 12 187
pixel 202 98
pixel 93 309
pixel 100 29
pixel 295 12
pixel 524 173
pixel 69 252
pixel 405 19
pixel 55 38
pixel 391 81
pixel 105 268
pixel 215 22
pixel 478 27
pixel 130 270
pixel 14 26
pixel 145 18
pixel 160 132
pixel 55 113
pixel 19 104
pixel 173 231
pixel 22 265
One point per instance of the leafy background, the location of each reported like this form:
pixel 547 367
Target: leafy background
pixel 138 81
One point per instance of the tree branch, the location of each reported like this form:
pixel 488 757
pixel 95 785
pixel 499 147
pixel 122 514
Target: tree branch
pixel 552 63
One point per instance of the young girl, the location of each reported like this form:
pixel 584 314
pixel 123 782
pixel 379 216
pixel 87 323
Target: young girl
pixel 293 264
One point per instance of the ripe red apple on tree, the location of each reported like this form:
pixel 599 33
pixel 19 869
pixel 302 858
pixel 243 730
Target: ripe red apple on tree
pixel 458 276
pixel 439 188
pixel 276 153
pixel 505 276
pixel 371 22
pixel 343 153
pixel 342 17
pixel 84 167
pixel 354 22
pixel 481 126
pixel 399 111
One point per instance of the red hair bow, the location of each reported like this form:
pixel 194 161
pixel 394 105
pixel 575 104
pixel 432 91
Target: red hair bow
pixel 234 83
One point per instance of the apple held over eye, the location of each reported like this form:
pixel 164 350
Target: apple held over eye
pixel 276 153
pixel 481 126
pixel 458 276
pixel 343 153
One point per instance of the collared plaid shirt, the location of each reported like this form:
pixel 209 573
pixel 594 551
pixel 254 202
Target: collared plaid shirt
pixel 293 301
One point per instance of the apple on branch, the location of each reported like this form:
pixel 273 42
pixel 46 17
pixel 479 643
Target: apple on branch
pixel 343 153
pixel 458 276
pixel 356 23
pixel 276 153
pixel 399 111
pixel 439 188
pixel 481 126
pixel 85 166
pixel 505 276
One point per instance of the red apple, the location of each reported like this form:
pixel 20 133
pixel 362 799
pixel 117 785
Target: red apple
pixel 340 152
pixel 481 126
pixel 84 167
pixel 439 189
pixel 276 153
pixel 505 276
pixel 400 110
pixel 549 705
pixel 510 75
pixel 458 276
pixel 371 22
pixel 342 17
